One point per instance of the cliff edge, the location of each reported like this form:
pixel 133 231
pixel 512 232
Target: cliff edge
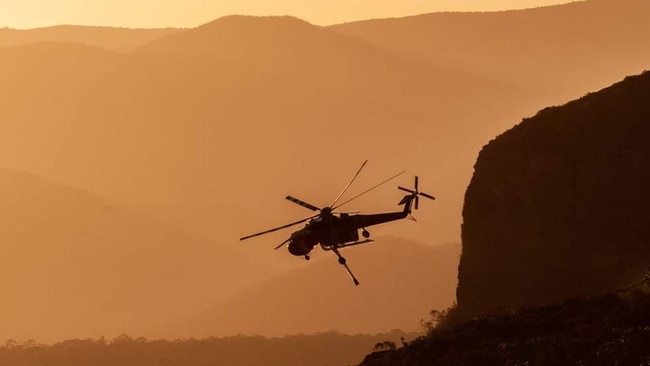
pixel 555 243
pixel 558 205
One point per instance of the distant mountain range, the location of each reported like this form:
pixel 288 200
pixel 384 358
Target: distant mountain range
pixel 114 39
pixel 564 50
pixel 165 124
pixel 228 118
pixel 161 124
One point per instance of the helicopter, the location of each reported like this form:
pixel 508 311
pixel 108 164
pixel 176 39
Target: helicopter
pixel 336 230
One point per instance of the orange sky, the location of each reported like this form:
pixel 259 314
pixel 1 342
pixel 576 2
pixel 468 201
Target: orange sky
pixel 166 150
pixel 190 13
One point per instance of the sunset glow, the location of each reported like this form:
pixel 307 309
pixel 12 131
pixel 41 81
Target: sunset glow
pixel 169 170
pixel 181 13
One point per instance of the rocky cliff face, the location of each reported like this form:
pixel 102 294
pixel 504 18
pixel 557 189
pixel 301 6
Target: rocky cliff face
pixel 559 206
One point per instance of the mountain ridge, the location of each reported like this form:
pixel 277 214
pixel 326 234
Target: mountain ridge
pixel 112 38
pixel 568 42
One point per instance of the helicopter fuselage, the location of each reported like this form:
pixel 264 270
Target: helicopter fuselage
pixel 327 230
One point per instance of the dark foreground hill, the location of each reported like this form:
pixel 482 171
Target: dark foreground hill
pixel 320 349
pixel 610 329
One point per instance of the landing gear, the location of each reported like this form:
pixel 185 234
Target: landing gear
pixel 307 257
pixel 365 233
pixel 343 262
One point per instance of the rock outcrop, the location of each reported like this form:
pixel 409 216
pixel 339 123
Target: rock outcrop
pixel 559 205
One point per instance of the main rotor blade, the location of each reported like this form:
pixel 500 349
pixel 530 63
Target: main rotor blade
pixel 416 183
pixel 349 184
pixel 427 196
pixel 281 245
pixel 370 189
pixel 277 228
pixel 302 203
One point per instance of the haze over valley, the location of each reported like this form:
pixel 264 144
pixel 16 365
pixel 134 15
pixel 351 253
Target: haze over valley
pixel 133 160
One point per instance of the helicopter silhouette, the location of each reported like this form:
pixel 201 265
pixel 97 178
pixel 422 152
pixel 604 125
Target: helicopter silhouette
pixel 334 230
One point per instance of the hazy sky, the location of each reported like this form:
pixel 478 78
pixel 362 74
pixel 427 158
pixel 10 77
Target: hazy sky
pixel 190 13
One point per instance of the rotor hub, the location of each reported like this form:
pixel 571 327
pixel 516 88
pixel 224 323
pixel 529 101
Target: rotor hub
pixel 326 211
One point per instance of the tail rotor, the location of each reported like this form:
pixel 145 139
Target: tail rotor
pixel 415 193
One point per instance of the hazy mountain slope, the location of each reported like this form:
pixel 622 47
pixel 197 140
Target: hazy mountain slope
pixel 325 98
pixel 295 49
pixel 179 123
pixel 80 114
pixel 75 265
pixel 311 59
pixel 117 125
pixel 115 39
pixel 566 49
pixel 400 283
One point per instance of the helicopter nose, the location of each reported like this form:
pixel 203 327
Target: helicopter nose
pixel 300 247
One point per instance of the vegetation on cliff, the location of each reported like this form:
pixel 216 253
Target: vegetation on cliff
pixel 607 329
